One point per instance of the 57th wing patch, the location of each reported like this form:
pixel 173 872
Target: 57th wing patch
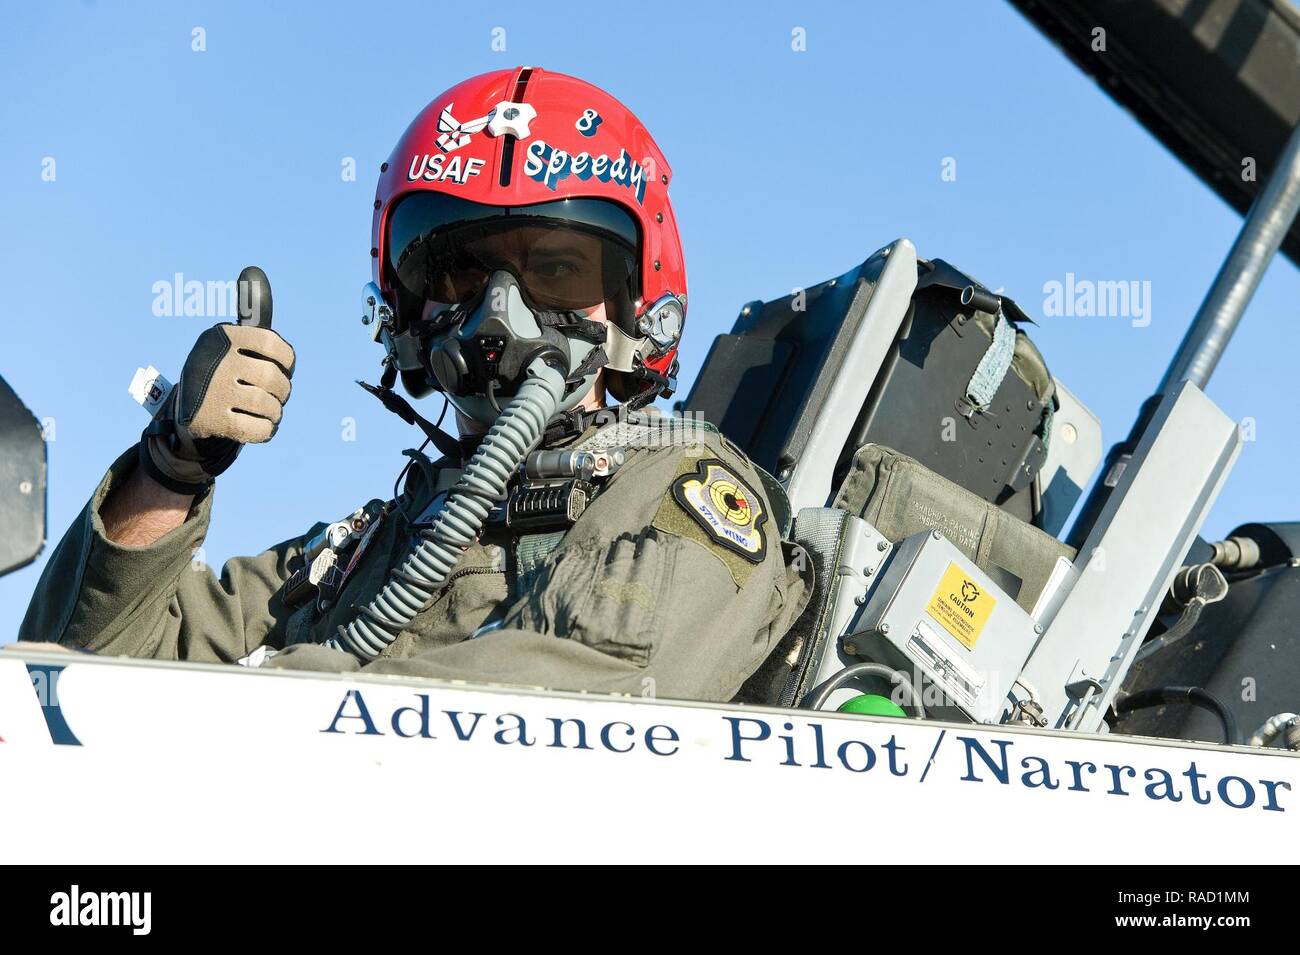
pixel 709 504
pixel 728 512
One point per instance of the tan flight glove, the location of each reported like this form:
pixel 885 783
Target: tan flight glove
pixel 231 393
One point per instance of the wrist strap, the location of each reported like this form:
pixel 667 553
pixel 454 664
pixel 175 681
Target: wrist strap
pixel 176 487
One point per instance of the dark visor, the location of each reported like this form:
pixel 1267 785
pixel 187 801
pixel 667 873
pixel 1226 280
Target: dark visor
pixel 567 254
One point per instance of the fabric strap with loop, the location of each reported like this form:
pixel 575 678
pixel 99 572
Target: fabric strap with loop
pixel 993 366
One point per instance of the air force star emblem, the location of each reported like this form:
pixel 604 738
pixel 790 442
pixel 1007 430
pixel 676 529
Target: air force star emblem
pixel 506 118
pixel 455 134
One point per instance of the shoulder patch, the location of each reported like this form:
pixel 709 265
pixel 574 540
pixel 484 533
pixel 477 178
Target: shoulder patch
pixel 724 507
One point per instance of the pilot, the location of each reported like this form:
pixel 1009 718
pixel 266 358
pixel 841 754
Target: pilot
pixel 526 264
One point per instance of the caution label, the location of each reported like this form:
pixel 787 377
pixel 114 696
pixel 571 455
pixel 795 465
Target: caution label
pixel 961 605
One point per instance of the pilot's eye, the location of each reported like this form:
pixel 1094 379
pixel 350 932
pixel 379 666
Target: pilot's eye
pixel 555 268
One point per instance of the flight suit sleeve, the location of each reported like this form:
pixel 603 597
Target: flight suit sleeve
pixel 160 600
pixel 646 595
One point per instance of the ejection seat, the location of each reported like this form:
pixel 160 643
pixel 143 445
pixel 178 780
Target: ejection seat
pixel 898 397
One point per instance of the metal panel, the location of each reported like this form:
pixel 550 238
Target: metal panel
pixel 865 549
pixel 1130 557
pixel 902 626
pixel 1073 453
pixel 809 484
pixel 918 404
pixel 22 483
pixel 765 383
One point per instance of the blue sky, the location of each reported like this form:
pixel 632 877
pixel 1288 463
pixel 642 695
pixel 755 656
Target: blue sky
pixel 789 167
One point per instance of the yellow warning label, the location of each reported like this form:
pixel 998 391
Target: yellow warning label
pixel 961 605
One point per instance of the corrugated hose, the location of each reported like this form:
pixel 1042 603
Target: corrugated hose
pixel 412 585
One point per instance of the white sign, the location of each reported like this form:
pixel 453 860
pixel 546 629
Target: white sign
pixel 138 761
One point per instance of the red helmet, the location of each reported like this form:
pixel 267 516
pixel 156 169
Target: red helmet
pixel 524 137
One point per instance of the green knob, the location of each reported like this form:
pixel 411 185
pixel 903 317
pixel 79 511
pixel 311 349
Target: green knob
pixel 871 704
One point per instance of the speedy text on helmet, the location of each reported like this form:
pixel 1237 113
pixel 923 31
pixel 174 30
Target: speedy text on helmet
pixel 549 165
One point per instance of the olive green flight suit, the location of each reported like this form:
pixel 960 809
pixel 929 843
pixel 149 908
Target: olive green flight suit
pixel 639 596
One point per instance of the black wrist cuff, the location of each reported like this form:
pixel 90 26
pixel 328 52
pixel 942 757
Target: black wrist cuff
pixel 173 485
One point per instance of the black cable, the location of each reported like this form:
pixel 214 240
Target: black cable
pixel 397 498
pixel 849 674
pixel 1192 695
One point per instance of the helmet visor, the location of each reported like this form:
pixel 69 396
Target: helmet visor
pixel 567 254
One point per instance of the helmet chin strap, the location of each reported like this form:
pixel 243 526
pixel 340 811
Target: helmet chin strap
pixel 659 384
pixel 596 359
pixel 616 350
pixel 575 323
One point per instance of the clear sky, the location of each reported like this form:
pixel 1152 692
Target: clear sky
pixel 789 167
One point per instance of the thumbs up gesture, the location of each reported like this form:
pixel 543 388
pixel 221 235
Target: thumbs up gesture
pixel 232 392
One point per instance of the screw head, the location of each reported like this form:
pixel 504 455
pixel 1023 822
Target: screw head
pixel 884 628
pixel 882 545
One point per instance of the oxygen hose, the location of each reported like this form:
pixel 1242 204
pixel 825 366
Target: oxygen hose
pixel 482 484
